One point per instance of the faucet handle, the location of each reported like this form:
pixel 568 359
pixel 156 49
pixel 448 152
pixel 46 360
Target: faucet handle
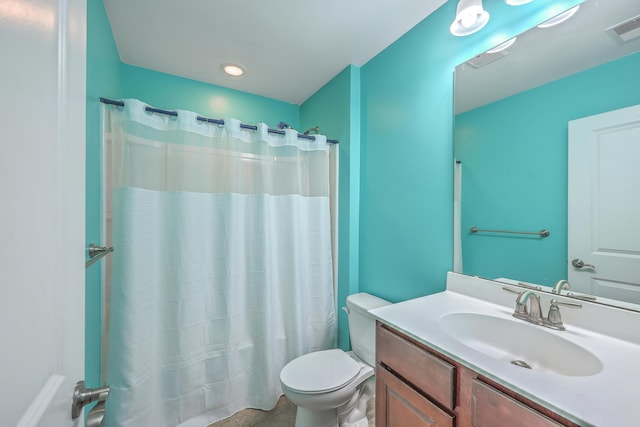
pixel 566 304
pixel 519 306
pixel 554 320
pixel 535 313
pixel 521 311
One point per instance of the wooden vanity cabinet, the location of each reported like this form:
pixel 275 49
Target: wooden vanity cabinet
pixel 404 406
pixel 416 386
pixel 491 408
pixel 406 399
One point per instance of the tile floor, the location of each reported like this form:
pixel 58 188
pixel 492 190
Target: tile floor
pixel 283 415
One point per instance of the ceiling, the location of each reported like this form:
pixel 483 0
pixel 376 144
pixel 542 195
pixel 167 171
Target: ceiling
pixel 290 48
pixel 540 56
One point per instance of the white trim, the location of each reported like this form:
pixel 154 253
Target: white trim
pixel 334 197
pixel 105 236
pixel 36 410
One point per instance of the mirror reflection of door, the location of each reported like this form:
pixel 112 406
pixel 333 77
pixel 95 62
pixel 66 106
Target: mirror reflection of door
pixel 604 205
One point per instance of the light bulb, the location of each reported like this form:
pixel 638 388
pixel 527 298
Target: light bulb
pixel 468 20
pixel 470 17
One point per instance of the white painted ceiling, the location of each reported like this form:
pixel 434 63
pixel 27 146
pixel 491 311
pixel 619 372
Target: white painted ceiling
pixel 540 56
pixel 290 48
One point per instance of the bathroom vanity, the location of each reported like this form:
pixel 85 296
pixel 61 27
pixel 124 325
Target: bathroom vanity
pixel 459 358
pixel 418 386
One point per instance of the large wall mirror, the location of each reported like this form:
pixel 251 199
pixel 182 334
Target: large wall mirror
pixel 516 110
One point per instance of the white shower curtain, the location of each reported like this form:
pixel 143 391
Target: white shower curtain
pixel 222 270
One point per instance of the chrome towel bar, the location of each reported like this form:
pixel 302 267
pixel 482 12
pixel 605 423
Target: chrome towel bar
pixel 541 233
pixel 96 253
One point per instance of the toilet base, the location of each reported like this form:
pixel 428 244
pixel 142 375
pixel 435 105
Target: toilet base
pixel 350 414
pixel 308 418
pixel 364 422
pixel 354 412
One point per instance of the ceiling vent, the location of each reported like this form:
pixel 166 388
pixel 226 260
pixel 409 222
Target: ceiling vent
pixel 485 58
pixel 626 31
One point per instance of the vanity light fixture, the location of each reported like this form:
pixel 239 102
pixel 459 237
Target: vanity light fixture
pixel 234 70
pixel 502 46
pixel 559 19
pixel 470 17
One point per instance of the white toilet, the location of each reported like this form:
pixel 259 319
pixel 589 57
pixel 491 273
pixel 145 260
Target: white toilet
pixel 329 387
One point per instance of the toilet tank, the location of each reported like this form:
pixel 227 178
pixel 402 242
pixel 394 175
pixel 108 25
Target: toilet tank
pixel 362 326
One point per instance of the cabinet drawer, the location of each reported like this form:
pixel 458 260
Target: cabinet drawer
pixel 398 405
pixel 492 408
pixel 427 372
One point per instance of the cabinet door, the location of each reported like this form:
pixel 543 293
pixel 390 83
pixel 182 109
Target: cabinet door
pixel 398 405
pixel 492 408
pixel 436 377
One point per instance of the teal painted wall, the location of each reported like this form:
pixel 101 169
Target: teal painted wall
pixel 514 158
pixel 103 79
pixel 171 92
pixel 407 151
pixel 335 108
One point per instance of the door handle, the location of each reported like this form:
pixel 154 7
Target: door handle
pixel 83 396
pixel 578 263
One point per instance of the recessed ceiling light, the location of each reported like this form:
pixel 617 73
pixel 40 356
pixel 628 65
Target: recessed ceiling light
pixel 234 70
pixel 559 19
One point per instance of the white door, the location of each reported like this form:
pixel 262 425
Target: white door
pixel 604 204
pixel 42 155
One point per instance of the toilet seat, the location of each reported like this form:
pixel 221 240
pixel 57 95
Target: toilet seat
pixel 320 372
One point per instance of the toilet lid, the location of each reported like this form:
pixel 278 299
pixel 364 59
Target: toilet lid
pixel 320 371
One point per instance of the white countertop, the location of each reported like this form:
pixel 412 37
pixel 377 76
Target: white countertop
pixel 607 398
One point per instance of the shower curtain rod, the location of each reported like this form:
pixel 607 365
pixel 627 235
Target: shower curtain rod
pixel 214 121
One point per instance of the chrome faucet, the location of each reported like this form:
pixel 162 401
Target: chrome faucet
pixel 560 285
pixel 534 314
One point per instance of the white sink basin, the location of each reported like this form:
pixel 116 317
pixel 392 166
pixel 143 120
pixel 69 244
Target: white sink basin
pixel 515 340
